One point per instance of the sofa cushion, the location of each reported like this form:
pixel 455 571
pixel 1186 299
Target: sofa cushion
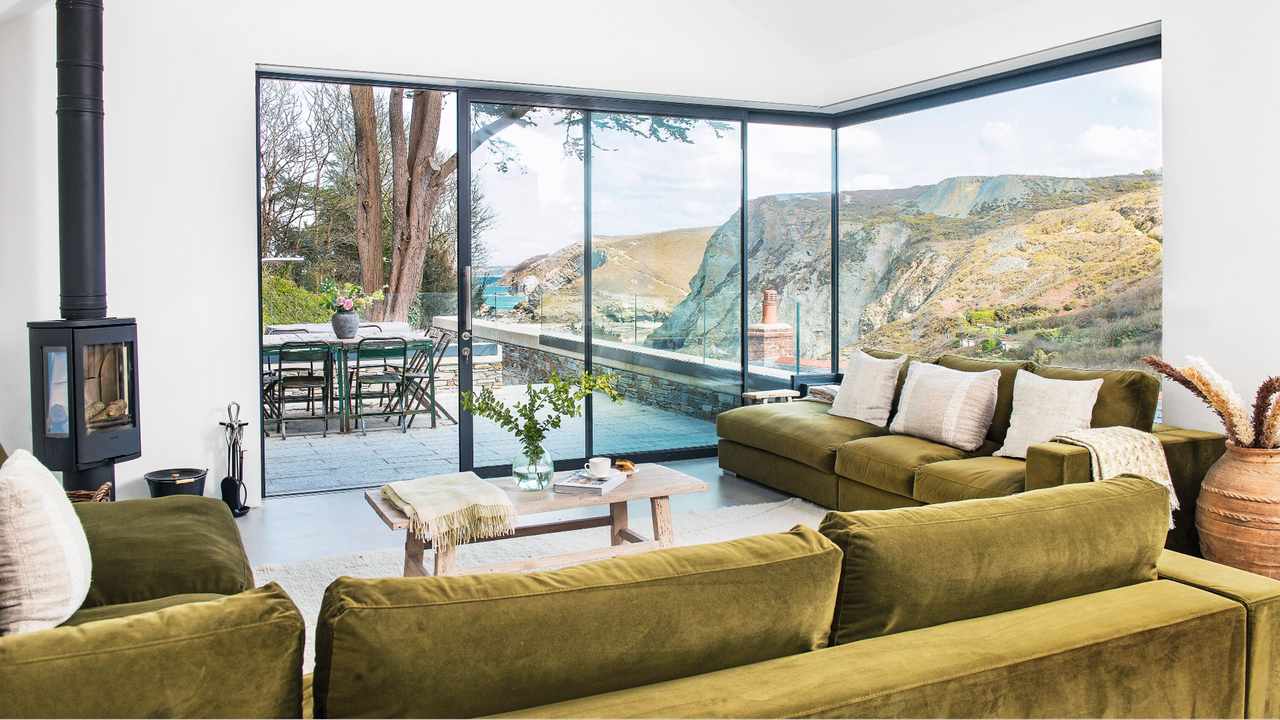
pixel 867 391
pixel 1004 392
pixel 947 406
pixel 237 656
pixel 45 564
pixel 108 612
pixel 918 567
pixel 153 548
pixel 477 645
pixel 778 472
pixel 981 477
pixel 800 431
pixel 1127 397
pixel 889 463
pixel 902 373
pixel 1044 408
pixel 1146 650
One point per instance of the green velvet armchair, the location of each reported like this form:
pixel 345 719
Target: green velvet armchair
pixel 172 625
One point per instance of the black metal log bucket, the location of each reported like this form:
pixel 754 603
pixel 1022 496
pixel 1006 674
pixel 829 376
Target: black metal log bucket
pixel 176 481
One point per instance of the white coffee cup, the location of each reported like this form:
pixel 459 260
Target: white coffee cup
pixel 598 466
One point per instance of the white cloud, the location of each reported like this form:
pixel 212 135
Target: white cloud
pixel 859 141
pixel 867 182
pixel 1118 145
pixel 1000 137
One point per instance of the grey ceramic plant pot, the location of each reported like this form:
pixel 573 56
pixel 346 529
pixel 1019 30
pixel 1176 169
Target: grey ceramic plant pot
pixel 346 323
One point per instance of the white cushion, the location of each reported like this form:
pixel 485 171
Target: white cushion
pixel 44 555
pixel 1044 407
pixel 952 407
pixel 866 393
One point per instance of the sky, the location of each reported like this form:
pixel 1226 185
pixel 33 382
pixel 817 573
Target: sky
pixel 1106 123
pixel 1100 124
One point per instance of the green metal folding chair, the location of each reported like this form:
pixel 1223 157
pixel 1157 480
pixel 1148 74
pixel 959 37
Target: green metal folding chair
pixel 298 382
pixel 379 375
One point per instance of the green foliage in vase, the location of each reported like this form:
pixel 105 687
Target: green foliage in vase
pixel 561 395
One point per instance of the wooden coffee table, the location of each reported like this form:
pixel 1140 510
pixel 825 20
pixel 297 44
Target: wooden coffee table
pixel 651 482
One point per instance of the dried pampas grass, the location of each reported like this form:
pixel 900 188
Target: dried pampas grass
pixel 1258 431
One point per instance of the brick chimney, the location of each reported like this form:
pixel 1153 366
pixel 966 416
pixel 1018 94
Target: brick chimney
pixel 769 339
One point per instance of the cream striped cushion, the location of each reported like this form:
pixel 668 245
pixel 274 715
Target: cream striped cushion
pixel 952 407
pixel 866 393
pixel 1044 407
pixel 44 555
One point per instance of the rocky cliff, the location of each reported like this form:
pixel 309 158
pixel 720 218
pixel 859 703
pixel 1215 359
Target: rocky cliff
pixel 636 281
pixel 1052 260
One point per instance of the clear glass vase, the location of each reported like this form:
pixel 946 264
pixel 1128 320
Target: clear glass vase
pixel 532 468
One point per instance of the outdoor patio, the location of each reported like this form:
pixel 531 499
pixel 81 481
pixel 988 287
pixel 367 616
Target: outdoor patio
pixel 308 462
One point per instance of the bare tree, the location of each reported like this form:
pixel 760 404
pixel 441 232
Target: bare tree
pixel 368 189
pixel 286 165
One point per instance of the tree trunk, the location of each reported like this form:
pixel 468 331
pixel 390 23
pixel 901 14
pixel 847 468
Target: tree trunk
pixel 426 178
pixel 368 190
pixel 399 190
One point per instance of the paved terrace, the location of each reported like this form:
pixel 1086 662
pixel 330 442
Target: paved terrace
pixel 309 462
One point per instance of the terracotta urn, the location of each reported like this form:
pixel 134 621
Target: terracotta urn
pixel 1238 512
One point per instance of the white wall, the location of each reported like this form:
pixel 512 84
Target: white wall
pixel 181 214
pixel 28 208
pixel 1221 154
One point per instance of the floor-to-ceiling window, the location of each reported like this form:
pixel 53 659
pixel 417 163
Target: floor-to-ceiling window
pixel 788 251
pixel 527 265
pixel 1023 225
pixel 666 275
pixel 357 199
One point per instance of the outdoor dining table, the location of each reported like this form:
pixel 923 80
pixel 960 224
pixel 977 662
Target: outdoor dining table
pixel 342 350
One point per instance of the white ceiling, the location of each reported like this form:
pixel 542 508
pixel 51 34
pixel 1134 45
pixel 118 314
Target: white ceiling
pixel 832 31
pixel 814 55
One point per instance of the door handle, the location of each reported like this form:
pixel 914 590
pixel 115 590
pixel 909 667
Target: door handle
pixel 464 317
pixel 466 335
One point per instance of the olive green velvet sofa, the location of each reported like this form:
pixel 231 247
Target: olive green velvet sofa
pixel 1059 603
pixel 172 625
pixel 846 464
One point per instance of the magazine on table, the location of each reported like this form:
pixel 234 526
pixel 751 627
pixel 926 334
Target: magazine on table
pixel 582 483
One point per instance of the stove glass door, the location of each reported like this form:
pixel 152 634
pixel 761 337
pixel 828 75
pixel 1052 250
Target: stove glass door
pixel 106 388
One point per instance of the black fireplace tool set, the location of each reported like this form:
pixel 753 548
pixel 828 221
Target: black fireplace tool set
pixel 234 493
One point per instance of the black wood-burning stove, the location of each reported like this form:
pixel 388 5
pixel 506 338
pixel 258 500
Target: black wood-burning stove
pixel 84 394
pixel 84 367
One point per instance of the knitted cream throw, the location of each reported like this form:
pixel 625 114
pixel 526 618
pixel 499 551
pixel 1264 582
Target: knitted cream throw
pixel 449 510
pixel 1118 450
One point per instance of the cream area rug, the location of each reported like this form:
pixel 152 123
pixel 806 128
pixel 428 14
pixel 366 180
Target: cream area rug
pixel 305 581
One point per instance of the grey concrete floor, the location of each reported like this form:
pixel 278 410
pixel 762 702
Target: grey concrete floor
pixel 302 527
pixel 307 461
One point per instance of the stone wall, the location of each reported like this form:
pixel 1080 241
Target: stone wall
pixel 523 365
pixel 483 374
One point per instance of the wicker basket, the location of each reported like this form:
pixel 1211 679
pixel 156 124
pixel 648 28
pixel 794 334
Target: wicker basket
pixel 102 494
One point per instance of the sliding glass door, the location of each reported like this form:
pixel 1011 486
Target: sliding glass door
pixel 666 278
pixel 789 289
pixel 607 242
pixel 528 267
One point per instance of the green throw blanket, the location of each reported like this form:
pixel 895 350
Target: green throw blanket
pixel 453 509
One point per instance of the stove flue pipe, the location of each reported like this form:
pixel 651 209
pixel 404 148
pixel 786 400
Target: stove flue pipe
pixel 81 198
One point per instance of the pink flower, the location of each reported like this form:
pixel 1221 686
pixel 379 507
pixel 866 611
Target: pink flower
pixel 347 303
